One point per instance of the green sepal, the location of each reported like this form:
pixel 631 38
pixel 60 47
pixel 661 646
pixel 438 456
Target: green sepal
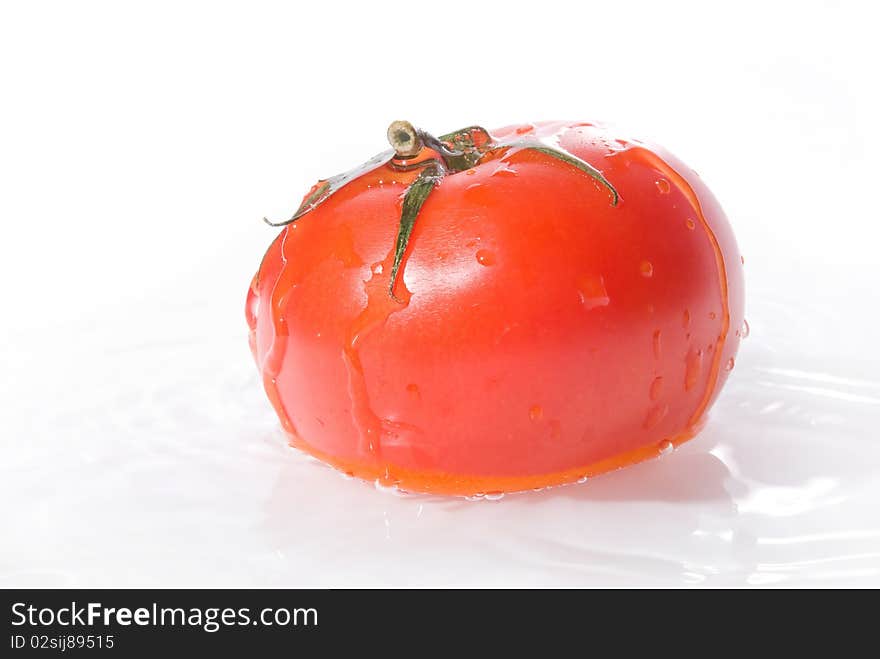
pixel 413 199
pixel 569 159
pixel 332 184
pixel 469 145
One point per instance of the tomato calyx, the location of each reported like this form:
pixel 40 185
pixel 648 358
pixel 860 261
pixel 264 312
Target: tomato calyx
pixel 415 149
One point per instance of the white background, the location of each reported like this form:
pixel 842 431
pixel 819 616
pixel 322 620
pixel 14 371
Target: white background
pixel 140 143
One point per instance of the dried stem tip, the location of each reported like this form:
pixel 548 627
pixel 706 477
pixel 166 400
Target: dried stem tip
pixel 404 139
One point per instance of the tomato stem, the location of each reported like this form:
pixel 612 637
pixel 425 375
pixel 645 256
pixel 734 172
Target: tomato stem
pixel 408 142
pixel 404 139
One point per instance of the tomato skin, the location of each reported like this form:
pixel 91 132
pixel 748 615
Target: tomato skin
pixel 542 334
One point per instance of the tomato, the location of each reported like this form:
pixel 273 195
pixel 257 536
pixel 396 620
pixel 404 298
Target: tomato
pixel 499 311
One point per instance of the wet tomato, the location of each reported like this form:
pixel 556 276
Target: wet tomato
pixel 499 311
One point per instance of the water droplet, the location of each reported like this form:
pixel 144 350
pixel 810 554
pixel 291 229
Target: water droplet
pixel 493 496
pixel 665 447
pixel 711 315
pixel 694 365
pixel 485 257
pixel 729 365
pixel 536 412
pixel 656 388
pixel 504 169
pixel 655 415
pixel 479 496
pixel 662 185
pixel 471 172
pixel 686 319
pixel 690 224
pixel 376 269
pixel 389 489
pixel 646 268
pixel 655 344
pixel 583 479
pixel 745 329
pixel 592 291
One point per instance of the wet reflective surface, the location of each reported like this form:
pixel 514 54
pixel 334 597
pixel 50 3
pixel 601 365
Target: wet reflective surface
pixel 158 461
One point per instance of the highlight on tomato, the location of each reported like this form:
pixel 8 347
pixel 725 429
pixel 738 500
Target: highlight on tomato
pixel 493 311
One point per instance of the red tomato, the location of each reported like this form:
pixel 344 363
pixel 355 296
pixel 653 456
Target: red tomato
pixel 538 333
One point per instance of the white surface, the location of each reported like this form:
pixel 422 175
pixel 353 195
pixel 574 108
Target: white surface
pixel 140 150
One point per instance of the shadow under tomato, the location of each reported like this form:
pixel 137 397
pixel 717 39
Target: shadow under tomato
pixel 679 477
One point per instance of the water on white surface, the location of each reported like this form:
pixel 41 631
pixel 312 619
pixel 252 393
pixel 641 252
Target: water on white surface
pixel 138 457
